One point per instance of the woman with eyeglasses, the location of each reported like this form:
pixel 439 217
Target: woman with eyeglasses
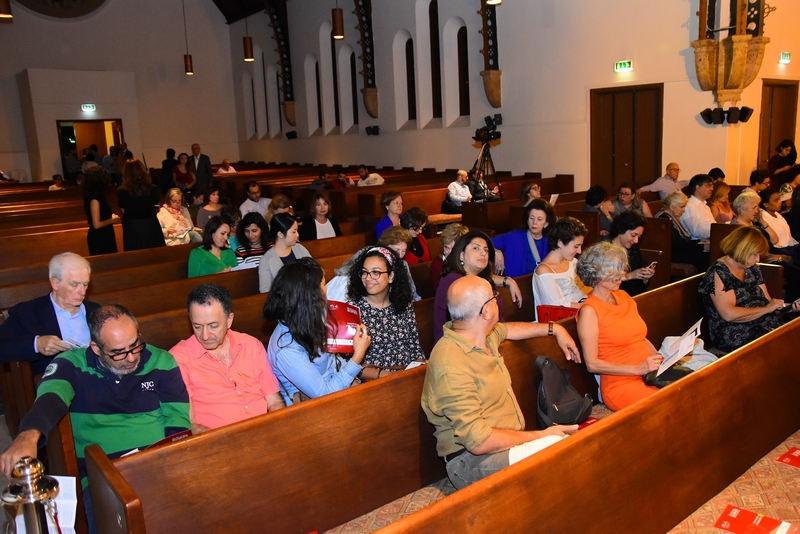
pixel 521 250
pixel 380 287
pixel 529 192
pixel 297 349
pixel 628 200
pixel 473 254
pixel 613 335
pixel 414 222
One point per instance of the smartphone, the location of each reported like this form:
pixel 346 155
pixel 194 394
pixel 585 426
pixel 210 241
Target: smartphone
pixel 652 265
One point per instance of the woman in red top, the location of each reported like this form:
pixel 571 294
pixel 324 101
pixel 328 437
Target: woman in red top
pixel 182 175
pixel 414 221
pixel 613 335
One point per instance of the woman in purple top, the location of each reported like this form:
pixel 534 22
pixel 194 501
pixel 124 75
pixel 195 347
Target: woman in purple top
pixel 392 204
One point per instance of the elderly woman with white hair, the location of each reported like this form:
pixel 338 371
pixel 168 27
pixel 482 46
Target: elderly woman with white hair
pixel 613 335
pixel 684 249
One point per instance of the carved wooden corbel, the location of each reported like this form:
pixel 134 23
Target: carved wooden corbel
pixel 491 72
pixel 276 9
pixel 363 12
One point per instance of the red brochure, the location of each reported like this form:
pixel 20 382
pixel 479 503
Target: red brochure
pixel 741 521
pixel 590 421
pixel 791 457
pixel 343 324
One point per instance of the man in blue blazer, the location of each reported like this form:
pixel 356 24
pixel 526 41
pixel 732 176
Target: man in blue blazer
pixel 41 328
pixel 201 165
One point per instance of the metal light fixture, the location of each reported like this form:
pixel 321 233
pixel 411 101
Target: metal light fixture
pixel 187 59
pixel 248 44
pixel 5 9
pixel 338 21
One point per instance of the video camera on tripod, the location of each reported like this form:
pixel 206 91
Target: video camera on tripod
pixel 484 165
pixel 489 132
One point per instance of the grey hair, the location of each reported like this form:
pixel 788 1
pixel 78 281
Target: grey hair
pixel 745 199
pixel 61 261
pixel 468 303
pixel 673 199
pixel 602 261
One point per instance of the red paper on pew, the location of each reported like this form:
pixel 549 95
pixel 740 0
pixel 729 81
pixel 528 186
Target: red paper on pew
pixel 171 439
pixel 741 521
pixel 342 327
pixel 590 421
pixel 791 457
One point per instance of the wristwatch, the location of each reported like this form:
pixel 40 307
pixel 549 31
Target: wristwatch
pixel 550 328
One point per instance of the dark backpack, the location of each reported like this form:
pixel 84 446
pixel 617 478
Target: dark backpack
pixel 559 403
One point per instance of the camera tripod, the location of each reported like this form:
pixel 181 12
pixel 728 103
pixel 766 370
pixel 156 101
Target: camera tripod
pixel 485 165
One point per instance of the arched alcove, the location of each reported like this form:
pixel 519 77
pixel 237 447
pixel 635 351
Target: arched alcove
pixel 326 78
pixel 346 116
pixel 249 106
pixel 313 96
pixel 422 61
pixel 456 78
pixel 402 96
pixel 260 94
pixel 273 101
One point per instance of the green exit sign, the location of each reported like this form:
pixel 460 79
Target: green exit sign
pixel 623 66
pixel 88 107
pixel 786 57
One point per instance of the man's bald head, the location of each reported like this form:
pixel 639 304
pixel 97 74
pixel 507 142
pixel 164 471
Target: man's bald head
pixel 461 176
pixel 466 296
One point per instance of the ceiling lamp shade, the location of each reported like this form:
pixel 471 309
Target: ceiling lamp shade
pixel 338 23
pixel 493 2
pixel 187 65
pixel 248 49
pixel 5 9
pixel 187 58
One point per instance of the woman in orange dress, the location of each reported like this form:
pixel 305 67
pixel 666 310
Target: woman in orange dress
pixel 612 333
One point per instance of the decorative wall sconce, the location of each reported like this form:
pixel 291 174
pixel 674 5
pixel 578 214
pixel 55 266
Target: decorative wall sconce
pixel 491 72
pixel 337 15
pixel 187 59
pixel 248 44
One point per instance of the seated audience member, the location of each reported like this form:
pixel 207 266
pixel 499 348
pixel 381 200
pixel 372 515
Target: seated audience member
pixel 738 306
pixel 320 182
pixel 214 256
pixel 226 167
pixel 467 397
pixel 414 222
pixel 697 219
pixel 457 193
pixel 668 183
pixel 211 207
pixel 319 224
pixel 167 166
pixel 529 191
pixel 793 215
pixel 447 238
pixel 392 204
pixel 254 239
pixel 38 329
pixel 720 204
pixel 759 181
pixel 342 180
pixel 684 249
pixel 519 251
pixel 254 201
pixel 297 349
pixel 596 203
pixel 612 333
pixel 285 249
pixel 554 280
pixel 472 255
pixel 479 189
pixel 226 373
pixel 58 183
pixel 783 165
pixel 771 217
pixel 337 287
pixel 101 237
pixel 182 174
pixel 717 174
pixel 176 223
pixel 397 239
pixel 102 387
pixel 626 229
pixel 231 216
pixel 367 178
pixel 628 200
pixel 380 287
pixel 278 204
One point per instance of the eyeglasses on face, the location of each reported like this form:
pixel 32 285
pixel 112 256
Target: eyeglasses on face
pixel 375 275
pixel 119 355
pixel 495 294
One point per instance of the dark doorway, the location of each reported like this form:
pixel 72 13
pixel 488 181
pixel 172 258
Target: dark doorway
pixel 81 134
pixel 626 131
pixel 778 117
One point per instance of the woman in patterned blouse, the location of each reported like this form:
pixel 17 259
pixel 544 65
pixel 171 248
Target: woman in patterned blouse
pixel 380 287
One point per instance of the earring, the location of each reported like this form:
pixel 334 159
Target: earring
pixel 462 262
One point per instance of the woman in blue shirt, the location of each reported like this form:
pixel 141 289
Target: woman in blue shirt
pixel 519 251
pixel 297 347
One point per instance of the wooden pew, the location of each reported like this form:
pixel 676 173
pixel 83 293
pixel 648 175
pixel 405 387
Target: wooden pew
pixel 718 233
pixel 26 249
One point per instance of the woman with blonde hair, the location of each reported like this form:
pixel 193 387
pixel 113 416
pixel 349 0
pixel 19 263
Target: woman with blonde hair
pixel 138 200
pixel 720 204
pixel 278 204
pixel 176 223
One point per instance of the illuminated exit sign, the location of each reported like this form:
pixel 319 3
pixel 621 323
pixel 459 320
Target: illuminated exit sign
pixel 623 66
pixel 88 107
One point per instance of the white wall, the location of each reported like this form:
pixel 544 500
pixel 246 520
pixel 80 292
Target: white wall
pixel 142 37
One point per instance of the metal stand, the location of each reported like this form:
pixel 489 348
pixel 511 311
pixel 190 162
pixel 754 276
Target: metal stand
pixel 485 165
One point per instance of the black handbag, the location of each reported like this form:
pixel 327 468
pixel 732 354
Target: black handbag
pixel 673 374
pixel 559 403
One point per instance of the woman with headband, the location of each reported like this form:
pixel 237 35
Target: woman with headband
pixel 380 287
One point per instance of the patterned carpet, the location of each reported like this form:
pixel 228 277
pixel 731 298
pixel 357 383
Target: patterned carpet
pixel 767 488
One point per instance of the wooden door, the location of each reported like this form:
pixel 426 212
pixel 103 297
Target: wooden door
pixel 626 131
pixel 778 117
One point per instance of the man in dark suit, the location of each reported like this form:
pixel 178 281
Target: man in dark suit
pixel 201 165
pixel 46 326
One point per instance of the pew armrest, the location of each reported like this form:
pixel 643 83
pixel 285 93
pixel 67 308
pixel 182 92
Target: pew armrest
pixel 117 508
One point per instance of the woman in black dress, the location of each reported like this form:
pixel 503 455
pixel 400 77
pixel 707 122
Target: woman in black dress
pixel 138 199
pixel 101 238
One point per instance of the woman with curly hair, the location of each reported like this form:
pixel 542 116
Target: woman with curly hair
pixel 297 349
pixel 138 199
pixel 380 287
pixel 554 280
pixel 101 238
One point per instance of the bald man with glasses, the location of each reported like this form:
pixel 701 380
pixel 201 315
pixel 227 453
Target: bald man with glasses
pixel 667 184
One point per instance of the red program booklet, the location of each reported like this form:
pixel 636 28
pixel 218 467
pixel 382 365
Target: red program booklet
pixel 741 521
pixel 590 421
pixel 790 457
pixel 343 324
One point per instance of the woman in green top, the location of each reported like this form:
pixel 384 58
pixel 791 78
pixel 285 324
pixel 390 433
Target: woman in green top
pixel 214 256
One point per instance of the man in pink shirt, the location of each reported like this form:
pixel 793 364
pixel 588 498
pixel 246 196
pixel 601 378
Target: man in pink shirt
pixel 226 373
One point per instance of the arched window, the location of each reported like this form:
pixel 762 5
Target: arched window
pixel 405 99
pixel 335 81
pixel 354 86
pixel 456 73
pixel 249 106
pixel 436 67
pixel 345 76
pixel 463 72
pixel 411 81
pixel 273 100
pixel 329 103
pixel 259 93
pixel 313 95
